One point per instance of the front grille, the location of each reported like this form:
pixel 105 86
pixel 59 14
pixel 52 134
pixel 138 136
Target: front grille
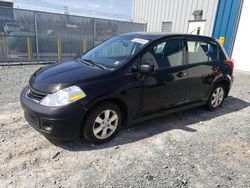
pixel 35 95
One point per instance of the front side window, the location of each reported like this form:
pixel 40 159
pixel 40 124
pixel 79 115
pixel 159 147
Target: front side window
pixel 166 54
pixel 115 51
pixel 201 52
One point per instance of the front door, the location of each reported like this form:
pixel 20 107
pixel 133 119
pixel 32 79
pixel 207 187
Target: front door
pixel 166 87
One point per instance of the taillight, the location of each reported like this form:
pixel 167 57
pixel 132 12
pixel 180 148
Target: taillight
pixel 230 63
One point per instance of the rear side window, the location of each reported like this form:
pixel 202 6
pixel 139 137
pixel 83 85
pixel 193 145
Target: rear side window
pixel 201 52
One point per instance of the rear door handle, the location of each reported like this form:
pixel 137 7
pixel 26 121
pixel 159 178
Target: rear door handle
pixel 180 74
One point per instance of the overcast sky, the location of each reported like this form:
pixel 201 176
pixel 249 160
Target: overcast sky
pixel 116 9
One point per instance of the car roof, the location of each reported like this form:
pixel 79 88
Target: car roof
pixel 158 35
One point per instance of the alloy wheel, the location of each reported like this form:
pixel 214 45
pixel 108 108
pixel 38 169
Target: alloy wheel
pixel 217 97
pixel 105 124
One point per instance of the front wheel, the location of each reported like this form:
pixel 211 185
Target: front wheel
pixel 216 97
pixel 102 123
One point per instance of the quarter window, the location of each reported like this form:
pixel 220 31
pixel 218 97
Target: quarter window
pixel 201 52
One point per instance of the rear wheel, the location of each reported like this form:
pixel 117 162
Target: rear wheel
pixel 102 123
pixel 216 97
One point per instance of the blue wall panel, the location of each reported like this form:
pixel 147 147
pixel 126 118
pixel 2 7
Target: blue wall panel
pixel 226 21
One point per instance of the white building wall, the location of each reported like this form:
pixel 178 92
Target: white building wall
pixel 179 12
pixel 241 46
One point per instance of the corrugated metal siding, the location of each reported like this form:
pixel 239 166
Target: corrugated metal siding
pixel 179 12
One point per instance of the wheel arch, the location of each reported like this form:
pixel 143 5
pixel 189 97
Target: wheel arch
pixel 225 81
pixel 115 99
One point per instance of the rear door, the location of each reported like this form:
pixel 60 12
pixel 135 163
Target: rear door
pixel 202 67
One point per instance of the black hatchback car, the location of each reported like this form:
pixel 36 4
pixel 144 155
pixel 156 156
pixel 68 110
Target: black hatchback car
pixel 124 80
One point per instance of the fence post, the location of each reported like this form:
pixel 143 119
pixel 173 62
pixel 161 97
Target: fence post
pixel 5 45
pixel 2 44
pixel 36 34
pixel 106 52
pixel 94 35
pixel 112 49
pixel 59 49
pixel 124 51
pixel 29 48
pixel 85 45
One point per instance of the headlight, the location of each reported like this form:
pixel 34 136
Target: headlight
pixel 63 97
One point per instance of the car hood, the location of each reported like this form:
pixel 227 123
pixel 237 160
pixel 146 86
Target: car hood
pixel 55 77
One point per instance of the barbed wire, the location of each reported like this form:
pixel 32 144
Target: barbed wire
pixel 85 10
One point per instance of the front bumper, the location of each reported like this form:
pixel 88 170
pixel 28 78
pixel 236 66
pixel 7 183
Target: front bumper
pixel 58 123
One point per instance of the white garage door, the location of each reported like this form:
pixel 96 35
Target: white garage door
pixel 241 46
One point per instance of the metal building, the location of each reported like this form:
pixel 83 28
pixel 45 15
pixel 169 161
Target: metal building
pixel 177 14
pixel 6 3
pixel 217 18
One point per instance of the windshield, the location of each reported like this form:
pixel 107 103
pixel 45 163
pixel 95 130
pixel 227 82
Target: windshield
pixel 115 51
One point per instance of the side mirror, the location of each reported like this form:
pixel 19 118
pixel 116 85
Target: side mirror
pixel 146 69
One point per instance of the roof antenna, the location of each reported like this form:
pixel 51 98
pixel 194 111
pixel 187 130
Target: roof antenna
pixel 193 31
pixel 198 29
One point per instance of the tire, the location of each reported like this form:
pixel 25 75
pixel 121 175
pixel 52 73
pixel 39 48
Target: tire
pixel 102 123
pixel 216 97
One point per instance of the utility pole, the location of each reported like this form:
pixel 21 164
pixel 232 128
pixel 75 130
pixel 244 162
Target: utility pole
pixel 66 10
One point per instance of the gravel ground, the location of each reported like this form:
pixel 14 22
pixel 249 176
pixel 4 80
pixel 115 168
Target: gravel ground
pixel 195 148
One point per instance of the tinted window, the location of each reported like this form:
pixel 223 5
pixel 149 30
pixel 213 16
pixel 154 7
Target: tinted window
pixel 201 52
pixel 159 48
pixel 166 54
pixel 134 66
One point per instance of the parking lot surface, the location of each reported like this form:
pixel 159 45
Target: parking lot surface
pixel 194 148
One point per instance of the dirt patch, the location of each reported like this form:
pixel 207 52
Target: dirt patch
pixel 234 153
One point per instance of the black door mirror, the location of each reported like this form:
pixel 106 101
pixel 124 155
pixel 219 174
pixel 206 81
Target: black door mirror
pixel 146 69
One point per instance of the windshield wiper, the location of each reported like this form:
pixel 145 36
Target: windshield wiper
pixel 95 64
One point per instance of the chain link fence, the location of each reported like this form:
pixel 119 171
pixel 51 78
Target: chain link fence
pixel 32 36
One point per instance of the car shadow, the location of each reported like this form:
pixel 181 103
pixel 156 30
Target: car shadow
pixel 179 120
